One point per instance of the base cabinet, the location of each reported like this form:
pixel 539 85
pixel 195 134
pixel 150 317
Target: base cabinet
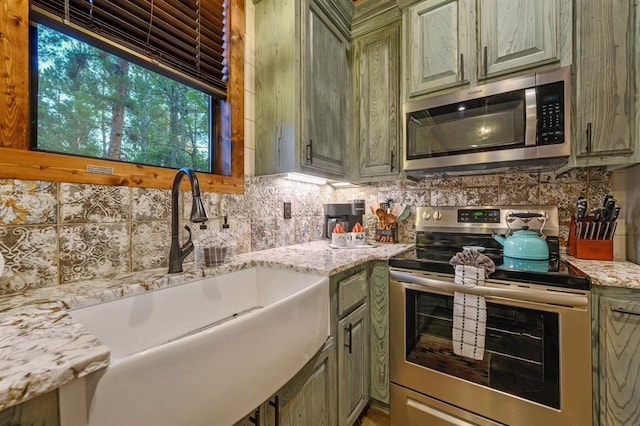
pixel 42 411
pixel 619 364
pixel 353 365
pixel 307 399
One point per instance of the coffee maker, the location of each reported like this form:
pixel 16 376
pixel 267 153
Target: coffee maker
pixel 346 214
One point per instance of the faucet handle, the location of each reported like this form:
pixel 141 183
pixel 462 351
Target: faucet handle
pixel 188 246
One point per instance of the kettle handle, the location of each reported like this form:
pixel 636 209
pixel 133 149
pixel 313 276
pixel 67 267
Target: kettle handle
pixel 526 218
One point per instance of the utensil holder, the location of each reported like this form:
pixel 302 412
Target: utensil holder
pixel 387 235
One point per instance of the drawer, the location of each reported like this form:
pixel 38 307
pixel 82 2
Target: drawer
pixel 351 292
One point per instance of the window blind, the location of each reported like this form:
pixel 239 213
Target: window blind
pixel 185 38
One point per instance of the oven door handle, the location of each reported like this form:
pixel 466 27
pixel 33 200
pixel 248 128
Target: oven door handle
pixel 552 297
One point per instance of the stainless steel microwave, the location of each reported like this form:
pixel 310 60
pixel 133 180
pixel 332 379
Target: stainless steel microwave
pixel 518 122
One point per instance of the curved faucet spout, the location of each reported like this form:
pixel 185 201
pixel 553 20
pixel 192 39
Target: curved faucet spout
pixel 178 253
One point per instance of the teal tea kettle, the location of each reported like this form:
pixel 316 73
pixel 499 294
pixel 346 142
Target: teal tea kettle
pixel 524 244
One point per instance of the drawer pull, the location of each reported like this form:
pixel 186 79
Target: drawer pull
pixel 624 311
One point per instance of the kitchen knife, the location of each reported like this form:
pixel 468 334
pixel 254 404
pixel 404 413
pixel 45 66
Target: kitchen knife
pixel 607 213
pixel 581 209
pixel 612 221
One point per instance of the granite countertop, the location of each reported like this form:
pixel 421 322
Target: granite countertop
pixel 43 348
pixel 609 273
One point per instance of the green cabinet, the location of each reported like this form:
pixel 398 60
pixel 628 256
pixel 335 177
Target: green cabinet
pixel 353 365
pixel 606 129
pixel 516 34
pixel 42 410
pixel 454 42
pixel 302 86
pixel 308 398
pixel 377 96
pixel 352 337
pixel 440 40
pixel 618 365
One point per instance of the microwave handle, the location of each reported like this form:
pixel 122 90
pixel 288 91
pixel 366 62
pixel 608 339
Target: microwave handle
pixel 555 298
pixel 531 113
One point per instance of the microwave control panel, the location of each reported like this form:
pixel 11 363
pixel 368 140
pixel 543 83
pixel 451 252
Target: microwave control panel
pixel 550 105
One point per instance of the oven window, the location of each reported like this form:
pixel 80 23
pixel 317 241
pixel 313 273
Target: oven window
pixel 522 351
pixel 478 125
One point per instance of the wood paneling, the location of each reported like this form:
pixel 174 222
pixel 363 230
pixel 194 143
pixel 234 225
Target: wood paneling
pixel 14 112
pixel 379 338
pixel 19 163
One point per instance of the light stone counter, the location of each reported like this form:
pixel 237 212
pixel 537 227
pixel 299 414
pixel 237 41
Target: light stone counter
pixel 609 273
pixel 43 348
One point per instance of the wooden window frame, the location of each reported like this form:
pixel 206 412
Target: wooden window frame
pixel 18 162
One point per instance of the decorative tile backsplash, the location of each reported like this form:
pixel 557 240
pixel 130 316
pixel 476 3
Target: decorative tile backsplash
pixel 54 233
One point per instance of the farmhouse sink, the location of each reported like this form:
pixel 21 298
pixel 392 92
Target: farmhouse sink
pixel 206 352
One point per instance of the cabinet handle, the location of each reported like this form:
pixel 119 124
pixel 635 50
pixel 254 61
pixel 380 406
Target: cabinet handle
pixel 589 133
pixel 462 66
pixel 485 65
pixel 276 405
pixel 256 418
pixel 350 331
pixel 624 311
pixel 393 159
pixel 310 152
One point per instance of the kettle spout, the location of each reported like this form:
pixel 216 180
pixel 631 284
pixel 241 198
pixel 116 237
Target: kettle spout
pixel 499 238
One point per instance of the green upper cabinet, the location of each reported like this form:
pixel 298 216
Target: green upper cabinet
pixel 439 42
pixel 303 87
pixel 377 96
pixel 516 34
pixel 449 43
pixel 606 130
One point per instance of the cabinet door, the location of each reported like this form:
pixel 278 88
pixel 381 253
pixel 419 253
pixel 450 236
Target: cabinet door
pixel 516 34
pixel 326 80
pixel 619 343
pixel 353 365
pixel 308 398
pixel 377 97
pixel 439 37
pixel 604 80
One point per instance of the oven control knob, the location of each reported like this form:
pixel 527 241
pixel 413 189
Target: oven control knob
pixel 437 216
pixel 426 216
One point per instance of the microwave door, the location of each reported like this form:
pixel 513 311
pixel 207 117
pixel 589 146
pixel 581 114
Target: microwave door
pixel 479 125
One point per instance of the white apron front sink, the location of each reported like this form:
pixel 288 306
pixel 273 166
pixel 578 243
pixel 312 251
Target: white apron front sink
pixel 202 353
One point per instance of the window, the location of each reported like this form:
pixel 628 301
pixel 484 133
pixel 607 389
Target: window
pixel 95 104
pixel 65 17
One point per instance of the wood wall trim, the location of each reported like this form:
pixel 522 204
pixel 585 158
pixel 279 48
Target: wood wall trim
pixel 17 162
pixel 14 94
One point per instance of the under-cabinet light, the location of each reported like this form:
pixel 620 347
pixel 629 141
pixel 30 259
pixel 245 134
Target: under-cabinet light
pixel 305 178
pixel 342 184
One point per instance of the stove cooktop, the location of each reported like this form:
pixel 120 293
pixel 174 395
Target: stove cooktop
pixel 552 272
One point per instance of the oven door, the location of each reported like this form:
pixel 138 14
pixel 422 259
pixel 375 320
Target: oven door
pixel 536 367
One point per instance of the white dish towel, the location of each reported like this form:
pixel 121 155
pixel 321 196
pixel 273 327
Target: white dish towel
pixel 469 314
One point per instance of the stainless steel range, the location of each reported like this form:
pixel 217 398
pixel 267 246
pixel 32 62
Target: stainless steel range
pixel 536 367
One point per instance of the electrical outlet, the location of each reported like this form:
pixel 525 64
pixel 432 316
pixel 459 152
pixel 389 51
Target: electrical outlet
pixel 287 210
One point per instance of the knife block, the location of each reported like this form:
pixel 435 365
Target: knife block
pixel 588 249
